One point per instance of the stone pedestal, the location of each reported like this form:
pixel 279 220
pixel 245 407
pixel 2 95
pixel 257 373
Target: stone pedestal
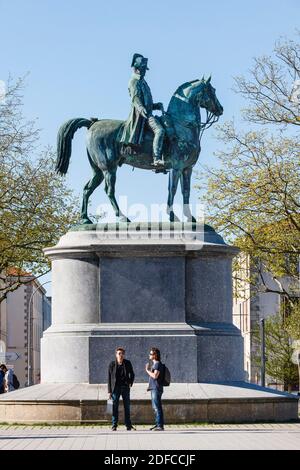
pixel 137 288
pixel 169 289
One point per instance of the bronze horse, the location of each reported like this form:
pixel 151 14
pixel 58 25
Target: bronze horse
pixel 181 148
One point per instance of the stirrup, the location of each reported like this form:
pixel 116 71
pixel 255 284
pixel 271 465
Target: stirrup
pixel 160 169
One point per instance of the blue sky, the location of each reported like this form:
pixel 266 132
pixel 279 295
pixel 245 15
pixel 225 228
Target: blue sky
pixel 79 53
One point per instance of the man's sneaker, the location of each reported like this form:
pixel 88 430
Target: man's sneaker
pixel 158 428
pixel 114 428
pixel 130 427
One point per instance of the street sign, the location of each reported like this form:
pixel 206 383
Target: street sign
pixel 9 356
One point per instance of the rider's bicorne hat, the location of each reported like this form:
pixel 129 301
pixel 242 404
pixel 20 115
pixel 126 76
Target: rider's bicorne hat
pixel 139 61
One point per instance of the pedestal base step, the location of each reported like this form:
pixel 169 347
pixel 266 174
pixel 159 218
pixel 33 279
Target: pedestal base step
pixel 235 402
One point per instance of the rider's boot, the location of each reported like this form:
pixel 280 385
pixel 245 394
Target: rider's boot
pixel 158 140
pixel 158 161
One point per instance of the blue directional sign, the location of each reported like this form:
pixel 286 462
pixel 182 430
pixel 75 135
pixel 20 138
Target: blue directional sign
pixel 9 356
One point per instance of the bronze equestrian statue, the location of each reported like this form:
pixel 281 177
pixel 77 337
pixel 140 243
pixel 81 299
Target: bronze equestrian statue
pixel 170 142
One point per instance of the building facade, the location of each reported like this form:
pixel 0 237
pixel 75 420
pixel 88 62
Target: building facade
pixel 250 305
pixel 24 315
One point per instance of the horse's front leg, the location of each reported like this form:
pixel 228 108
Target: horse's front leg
pixel 185 182
pixel 110 183
pixel 174 176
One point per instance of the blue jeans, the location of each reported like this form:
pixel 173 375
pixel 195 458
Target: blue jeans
pixel 123 391
pixel 157 407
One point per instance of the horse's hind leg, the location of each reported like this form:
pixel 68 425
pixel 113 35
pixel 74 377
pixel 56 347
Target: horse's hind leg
pixel 185 181
pixel 110 183
pixel 174 176
pixel 89 188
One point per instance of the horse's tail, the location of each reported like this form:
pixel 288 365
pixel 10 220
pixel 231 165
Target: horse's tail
pixel 64 142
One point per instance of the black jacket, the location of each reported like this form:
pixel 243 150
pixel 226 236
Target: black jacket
pixel 112 371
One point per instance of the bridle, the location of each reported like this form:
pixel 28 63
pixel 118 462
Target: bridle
pixel 211 118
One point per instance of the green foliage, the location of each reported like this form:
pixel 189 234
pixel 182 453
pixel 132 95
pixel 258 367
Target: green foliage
pixel 293 322
pixel 278 351
pixel 36 207
pixel 253 195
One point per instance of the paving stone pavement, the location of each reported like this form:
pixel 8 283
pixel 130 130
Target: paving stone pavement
pixel 184 437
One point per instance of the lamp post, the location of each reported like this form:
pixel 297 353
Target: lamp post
pixel 262 353
pixel 29 318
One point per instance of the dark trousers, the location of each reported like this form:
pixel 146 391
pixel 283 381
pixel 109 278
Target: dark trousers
pixel 159 134
pixel 157 407
pixel 124 392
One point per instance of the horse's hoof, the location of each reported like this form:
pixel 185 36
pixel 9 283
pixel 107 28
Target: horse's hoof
pixel 123 219
pixel 85 221
pixel 191 219
pixel 173 217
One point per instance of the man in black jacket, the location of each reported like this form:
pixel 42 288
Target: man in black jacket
pixel 120 379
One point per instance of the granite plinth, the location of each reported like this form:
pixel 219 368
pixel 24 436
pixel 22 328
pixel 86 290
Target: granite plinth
pixel 139 286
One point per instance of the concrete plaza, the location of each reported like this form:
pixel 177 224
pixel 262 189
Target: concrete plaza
pixel 185 437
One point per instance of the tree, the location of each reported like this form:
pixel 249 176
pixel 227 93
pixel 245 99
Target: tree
pixel 36 207
pixel 253 196
pixel 279 352
pixel 273 90
pixel 293 322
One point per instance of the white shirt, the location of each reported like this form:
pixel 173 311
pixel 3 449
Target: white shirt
pixel 9 380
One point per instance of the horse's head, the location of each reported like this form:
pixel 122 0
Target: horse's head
pixel 205 96
pixel 191 96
